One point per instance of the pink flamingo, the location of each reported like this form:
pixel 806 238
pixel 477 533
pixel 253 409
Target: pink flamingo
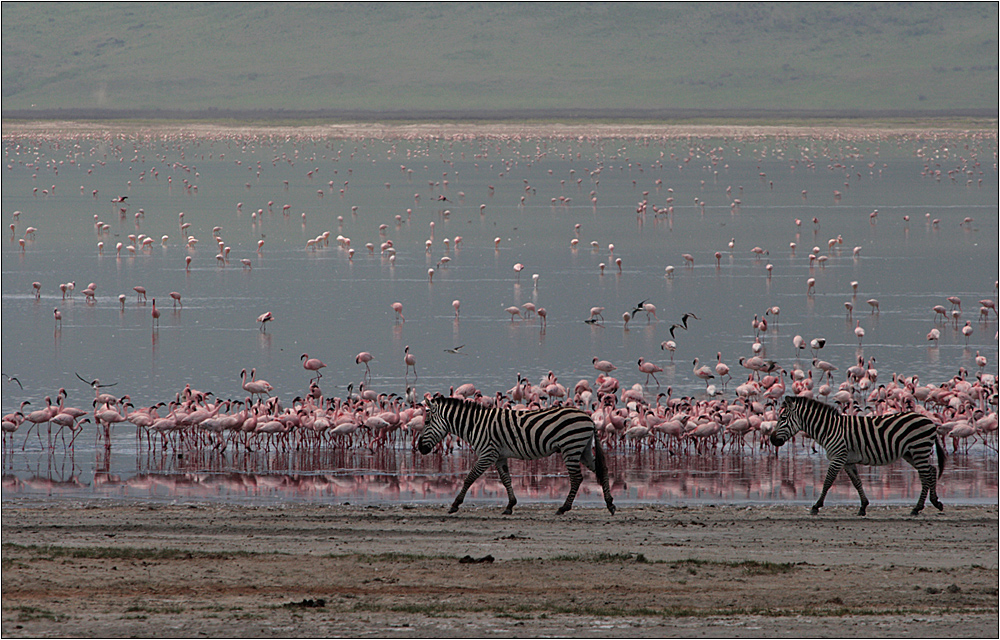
pixel 669 345
pixel 155 314
pixel 312 364
pixel 364 357
pixel 411 361
pixel 650 369
pixel 603 365
pixel 722 369
pixel 255 387
pixel 38 417
pixel 703 372
pixel 263 319
pixel 398 308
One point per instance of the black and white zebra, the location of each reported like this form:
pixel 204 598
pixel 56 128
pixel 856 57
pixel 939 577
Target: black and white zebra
pixel 496 434
pixel 871 440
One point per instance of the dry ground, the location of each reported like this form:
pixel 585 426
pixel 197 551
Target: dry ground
pixel 123 569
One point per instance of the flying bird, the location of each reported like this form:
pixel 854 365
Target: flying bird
pixel 95 383
pixel 14 379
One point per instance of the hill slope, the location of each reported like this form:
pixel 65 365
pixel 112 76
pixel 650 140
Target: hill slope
pixel 534 59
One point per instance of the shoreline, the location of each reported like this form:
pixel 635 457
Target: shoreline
pixel 836 129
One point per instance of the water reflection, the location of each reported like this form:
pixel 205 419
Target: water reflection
pixel 400 475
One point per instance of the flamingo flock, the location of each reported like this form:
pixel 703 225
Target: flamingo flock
pixel 626 416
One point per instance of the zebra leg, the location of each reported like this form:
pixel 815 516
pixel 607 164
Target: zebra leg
pixel 934 477
pixel 597 463
pixel 505 479
pixel 928 484
pixel 831 475
pixel 852 473
pixel 575 478
pixel 484 462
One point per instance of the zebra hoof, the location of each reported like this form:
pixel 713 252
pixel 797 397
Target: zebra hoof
pixel 915 512
pixel 814 511
pixel 508 511
pixel 561 510
pixel 611 508
pixel 453 509
pixel 938 505
pixel 862 511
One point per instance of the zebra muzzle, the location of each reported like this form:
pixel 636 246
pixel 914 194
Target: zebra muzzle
pixel 776 441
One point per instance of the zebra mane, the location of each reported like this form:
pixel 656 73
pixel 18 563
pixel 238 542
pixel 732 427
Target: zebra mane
pixel 810 404
pixel 448 401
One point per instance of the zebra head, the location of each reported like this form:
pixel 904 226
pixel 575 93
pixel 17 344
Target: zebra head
pixel 789 422
pixel 436 426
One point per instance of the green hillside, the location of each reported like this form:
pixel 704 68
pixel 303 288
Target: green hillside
pixel 492 59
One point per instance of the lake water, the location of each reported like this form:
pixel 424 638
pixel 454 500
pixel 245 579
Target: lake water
pixel 528 193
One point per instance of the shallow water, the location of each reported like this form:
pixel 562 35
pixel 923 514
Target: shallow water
pixel 332 306
pixel 362 476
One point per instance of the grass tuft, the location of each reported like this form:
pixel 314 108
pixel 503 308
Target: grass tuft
pixel 119 553
pixel 601 558
pixel 27 613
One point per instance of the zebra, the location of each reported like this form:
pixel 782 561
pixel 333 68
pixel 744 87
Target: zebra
pixel 872 440
pixel 496 434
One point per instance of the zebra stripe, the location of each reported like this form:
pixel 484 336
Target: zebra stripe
pixel 872 440
pixel 496 434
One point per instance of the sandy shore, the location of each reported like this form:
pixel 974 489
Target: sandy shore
pixel 100 569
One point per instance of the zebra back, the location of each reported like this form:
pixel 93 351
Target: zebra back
pixel 526 435
pixel 872 439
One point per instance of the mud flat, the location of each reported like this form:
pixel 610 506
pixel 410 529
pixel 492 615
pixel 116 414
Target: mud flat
pixel 115 569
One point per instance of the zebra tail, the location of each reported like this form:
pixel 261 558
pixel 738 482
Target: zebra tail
pixel 940 455
pixel 600 465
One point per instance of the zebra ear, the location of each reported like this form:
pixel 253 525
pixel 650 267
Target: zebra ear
pixel 786 402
